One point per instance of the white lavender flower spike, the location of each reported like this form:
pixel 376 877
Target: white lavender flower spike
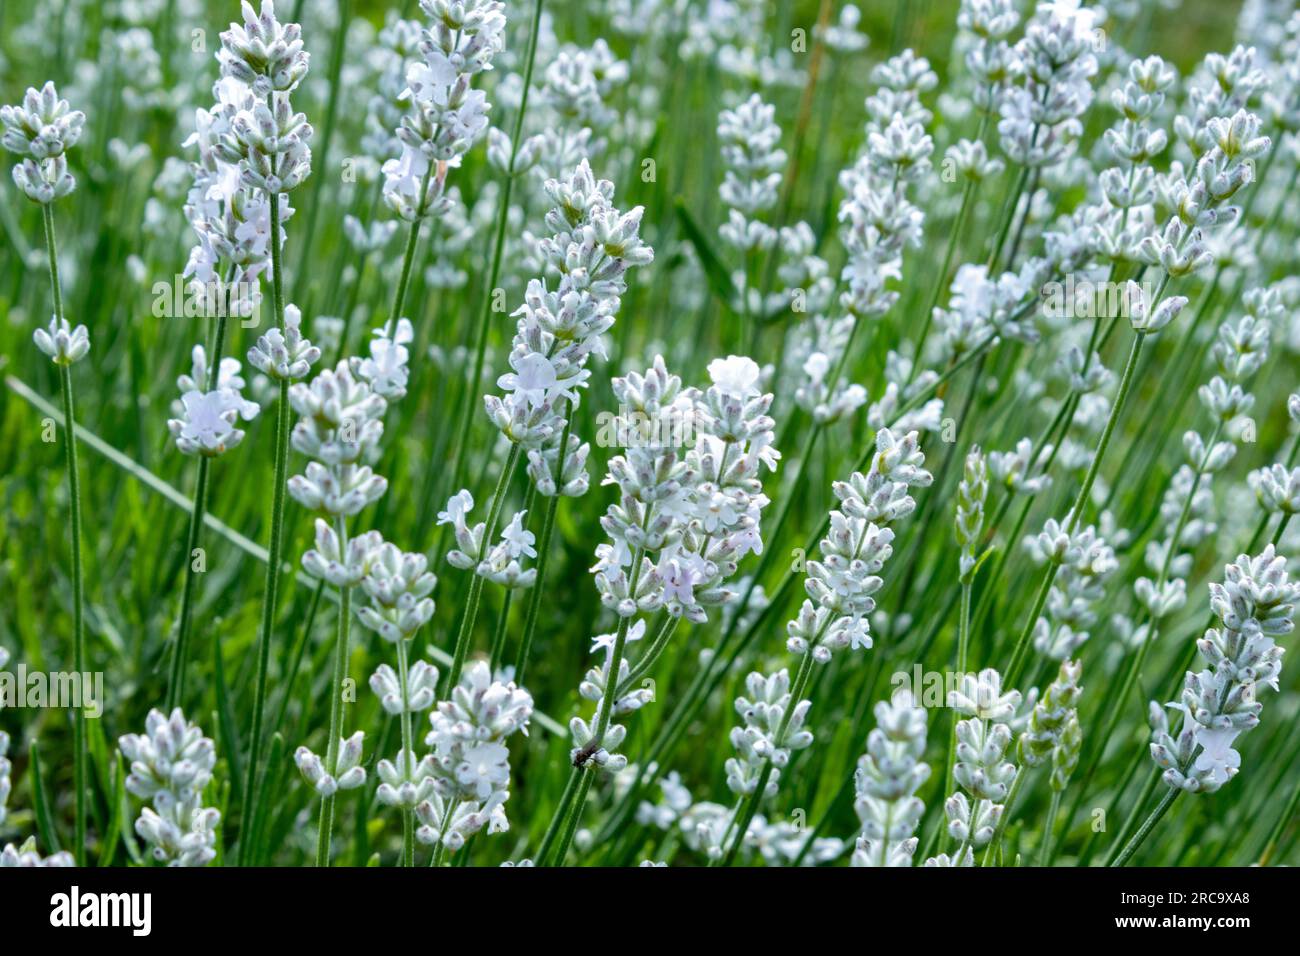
pixel 62 342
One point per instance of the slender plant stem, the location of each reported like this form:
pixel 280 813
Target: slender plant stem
pixel 341 654
pixel 1005 818
pixel 80 753
pixel 79 758
pixel 543 553
pixel 1147 826
pixel 465 633
pixel 557 819
pixel 1045 852
pixel 408 753
pixel 275 552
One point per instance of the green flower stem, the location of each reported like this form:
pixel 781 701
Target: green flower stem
pixel 1021 775
pixel 1147 826
pixel 275 553
pixel 465 633
pixel 176 679
pixel 1046 852
pixel 1287 817
pixel 327 129
pixel 543 554
pixel 557 818
pixel 963 646
pixel 341 654
pixel 650 656
pixel 575 815
pixel 80 751
pixel 498 247
pixel 954 237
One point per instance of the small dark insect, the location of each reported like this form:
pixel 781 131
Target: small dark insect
pixel 586 753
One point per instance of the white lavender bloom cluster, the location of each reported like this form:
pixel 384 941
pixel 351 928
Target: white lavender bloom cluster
pixel 1187 510
pixel 1128 185
pixel 592 247
pixel 877 220
pixel 1054 66
pixel 284 354
pixel 1085 561
pixel 1277 487
pixel 750 145
pixel 840 585
pixel 690 488
pixel 983 27
pixel 1222 86
pixel 502 563
pixel 1018 471
pixel 398 585
pixel 1198 203
pixel 206 420
pixel 266 139
pixel 64 343
pixel 446 114
pixel 41 130
pixel 26 856
pixel 1254 605
pixel 972 491
pixel 886 781
pixel 1052 734
pixel 576 89
pixel 469 767
pixel 981 308
pixel 347 772
pixel 981 769
pixel 772 727
pixel 171 765
pixel 689 509
pixel 340 427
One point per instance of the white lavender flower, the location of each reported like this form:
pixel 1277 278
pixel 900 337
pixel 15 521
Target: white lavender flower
pixel 26 856
pixel 972 490
pixel 1254 605
pixel 592 247
pixel 469 764
pixel 62 342
pixel 347 772
pixel 840 585
pixel 41 129
pixel 398 585
pixel 886 781
pixel 445 115
pixel 764 716
pixel 981 769
pixel 171 766
pixel 285 353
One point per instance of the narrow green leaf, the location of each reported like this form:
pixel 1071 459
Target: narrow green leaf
pixel 714 271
